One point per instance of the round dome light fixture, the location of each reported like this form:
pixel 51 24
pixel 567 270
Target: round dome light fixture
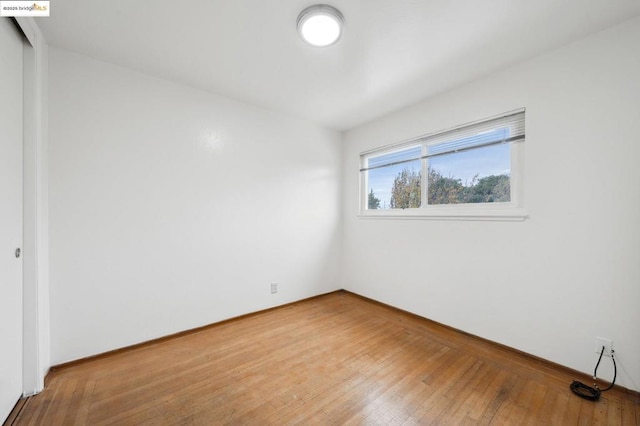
pixel 320 25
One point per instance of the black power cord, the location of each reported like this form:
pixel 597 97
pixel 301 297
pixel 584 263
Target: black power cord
pixel 593 393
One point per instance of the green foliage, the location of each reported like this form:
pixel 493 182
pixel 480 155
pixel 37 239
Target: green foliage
pixel 406 190
pixel 448 190
pixel 489 189
pixel 374 202
pixel 444 190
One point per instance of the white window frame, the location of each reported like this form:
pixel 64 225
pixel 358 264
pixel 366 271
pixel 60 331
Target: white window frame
pixel 512 210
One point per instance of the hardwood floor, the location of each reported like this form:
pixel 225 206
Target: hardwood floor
pixel 335 359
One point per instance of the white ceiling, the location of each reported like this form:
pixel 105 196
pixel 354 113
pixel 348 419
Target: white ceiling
pixel 393 53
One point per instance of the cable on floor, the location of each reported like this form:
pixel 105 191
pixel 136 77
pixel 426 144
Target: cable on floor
pixel 593 393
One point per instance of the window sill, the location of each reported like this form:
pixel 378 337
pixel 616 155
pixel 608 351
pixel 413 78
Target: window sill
pixel 500 215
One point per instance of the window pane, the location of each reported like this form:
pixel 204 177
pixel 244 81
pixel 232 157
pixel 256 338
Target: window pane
pixel 481 175
pixel 467 165
pixel 394 186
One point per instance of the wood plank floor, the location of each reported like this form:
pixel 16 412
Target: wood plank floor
pixel 335 359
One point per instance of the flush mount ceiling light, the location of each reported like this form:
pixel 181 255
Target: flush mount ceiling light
pixel 320 25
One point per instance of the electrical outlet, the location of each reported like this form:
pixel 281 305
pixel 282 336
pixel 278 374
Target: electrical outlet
pixel 608 345
pixel 274 288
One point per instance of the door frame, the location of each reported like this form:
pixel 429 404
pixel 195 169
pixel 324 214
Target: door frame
pixel 35 285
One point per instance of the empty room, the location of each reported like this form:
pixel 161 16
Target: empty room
pixel 287 212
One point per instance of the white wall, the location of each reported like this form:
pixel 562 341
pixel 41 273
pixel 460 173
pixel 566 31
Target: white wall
pixel 171 208
pixel 549 285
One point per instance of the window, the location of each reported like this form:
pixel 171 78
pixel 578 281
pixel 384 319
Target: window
pixel 473 171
